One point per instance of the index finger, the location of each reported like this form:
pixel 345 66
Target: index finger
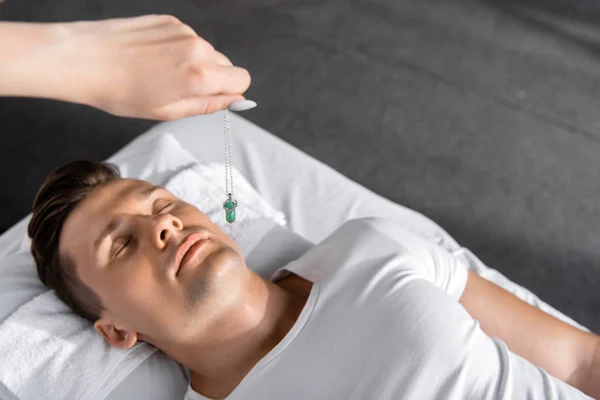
pixel 221 79
pixel 222 59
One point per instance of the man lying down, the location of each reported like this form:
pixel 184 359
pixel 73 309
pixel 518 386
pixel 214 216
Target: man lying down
pixel 372 312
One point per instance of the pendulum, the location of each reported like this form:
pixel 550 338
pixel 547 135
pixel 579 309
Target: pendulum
pixel 229 207
pixel 230 204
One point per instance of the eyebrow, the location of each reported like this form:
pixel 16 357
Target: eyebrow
pixel 112 226
pixel 146 193
pixel 115 222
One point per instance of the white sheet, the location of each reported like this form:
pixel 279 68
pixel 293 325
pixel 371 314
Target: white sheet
pixel 315 198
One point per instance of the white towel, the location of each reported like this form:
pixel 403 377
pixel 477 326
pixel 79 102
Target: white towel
pixel 47 352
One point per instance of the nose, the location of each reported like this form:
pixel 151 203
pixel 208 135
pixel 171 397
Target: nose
pixel 166 227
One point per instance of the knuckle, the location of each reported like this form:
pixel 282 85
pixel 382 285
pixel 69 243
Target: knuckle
pixel 169 19
pixel 201 73
pixel 188 50
pixel 196 47
pixel 204 45
pixel 222 58
pixel 187 30
pixel 211 107
pixel 183 29
pixel 247 78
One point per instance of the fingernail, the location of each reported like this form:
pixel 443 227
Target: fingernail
pixel 242 105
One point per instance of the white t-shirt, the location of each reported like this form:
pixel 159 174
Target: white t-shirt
pixel 383 321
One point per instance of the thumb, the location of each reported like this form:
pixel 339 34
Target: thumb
pixel 195 106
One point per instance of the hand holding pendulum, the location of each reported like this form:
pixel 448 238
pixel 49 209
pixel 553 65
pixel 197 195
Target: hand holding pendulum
pixel 230 204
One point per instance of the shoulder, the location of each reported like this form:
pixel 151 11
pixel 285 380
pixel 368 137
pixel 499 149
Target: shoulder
pixel 376 226
pixel 368 238
pixel 381 236
pixel 368 234
pixel 356 242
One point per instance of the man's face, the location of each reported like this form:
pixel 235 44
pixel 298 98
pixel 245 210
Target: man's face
pixel 127 239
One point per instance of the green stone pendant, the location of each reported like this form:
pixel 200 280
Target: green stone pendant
pixel 229 206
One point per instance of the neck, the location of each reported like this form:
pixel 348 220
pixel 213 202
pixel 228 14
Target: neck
pixel 232 345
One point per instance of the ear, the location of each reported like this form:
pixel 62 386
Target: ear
pixel 121 338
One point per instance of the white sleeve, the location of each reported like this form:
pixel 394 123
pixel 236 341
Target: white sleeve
pixel 485 367
pixel 433 263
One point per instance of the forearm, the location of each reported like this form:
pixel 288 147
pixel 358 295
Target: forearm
pixel 34 61
pixel 559 348
pixel 592 381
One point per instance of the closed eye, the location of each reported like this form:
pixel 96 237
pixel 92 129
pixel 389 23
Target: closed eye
pixel 123 247
pixel 164 208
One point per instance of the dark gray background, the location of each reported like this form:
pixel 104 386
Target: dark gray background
pixel 481 114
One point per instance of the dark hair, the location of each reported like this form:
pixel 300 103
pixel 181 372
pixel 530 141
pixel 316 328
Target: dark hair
pixel 60 193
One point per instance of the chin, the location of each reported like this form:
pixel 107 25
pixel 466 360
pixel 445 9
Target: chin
pixel 222 261
pixel 216 277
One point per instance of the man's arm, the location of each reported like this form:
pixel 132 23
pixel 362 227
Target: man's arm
pixel 568 353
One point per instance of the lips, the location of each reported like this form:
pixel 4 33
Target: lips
pixel 184 248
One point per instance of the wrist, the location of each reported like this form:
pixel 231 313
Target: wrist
pixel 594 377
pixel 591 382
pixel 36 61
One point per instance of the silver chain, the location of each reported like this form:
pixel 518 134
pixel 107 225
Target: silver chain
pixel 228 172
